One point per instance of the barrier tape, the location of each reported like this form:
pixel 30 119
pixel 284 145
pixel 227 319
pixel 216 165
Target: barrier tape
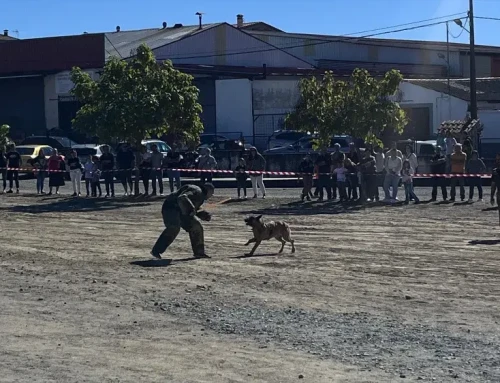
pixel 250 172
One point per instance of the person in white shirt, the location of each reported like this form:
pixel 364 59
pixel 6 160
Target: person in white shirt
pixel 411 157
pixel 380 170
pixel 393 169
pixel 340 171
pixel 450 143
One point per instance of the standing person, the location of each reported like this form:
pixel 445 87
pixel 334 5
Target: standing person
pixel 40 163
pixel 3 169
pixel 96 177
pixel 352 179
pixel 241 177
pixel 257 163
pixel 182 210
pixel 75 172
pixel 323 168
pixel 56 176
pixel 206 162
pixel 475 166
pixel 438 166
pixel 125 160
pixel 450 143
pixel 495 180
pixel 467 148
pixel 380 171
pixel 157 169
pixel 145 167
pixel 173 161
pixel 367 166
pixel 306 167
pixel 14 162
pixel 411 157
pixel 407 173
pixel 337 157
pixel 87 170
pixel 458 160
pixel 353 153
pixel 393 175
pixel 107 166
pixel 340 174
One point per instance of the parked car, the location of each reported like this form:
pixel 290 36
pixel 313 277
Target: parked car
pixel 62 144
pixel 305 145
pixel 30 152
pixel 219 142
pixel 282 138
pixel 163 147
pixel 85 150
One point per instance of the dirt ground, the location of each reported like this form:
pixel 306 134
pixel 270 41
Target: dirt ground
pixel 378 294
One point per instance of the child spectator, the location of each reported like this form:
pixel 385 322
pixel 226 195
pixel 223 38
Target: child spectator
pixel 96 177
pixel 340 172
pixel 241 178
pixel 407 173
pixel 475 166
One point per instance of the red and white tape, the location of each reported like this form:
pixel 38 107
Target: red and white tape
pixel 253 172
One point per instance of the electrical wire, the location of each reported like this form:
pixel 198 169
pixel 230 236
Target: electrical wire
pixel 462 29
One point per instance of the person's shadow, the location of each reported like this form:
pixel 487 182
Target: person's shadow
pixel 161 262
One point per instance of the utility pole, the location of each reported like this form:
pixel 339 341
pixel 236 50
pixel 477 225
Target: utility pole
pixel 448 68
pixel 473 92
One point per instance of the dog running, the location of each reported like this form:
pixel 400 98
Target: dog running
pixel 264 231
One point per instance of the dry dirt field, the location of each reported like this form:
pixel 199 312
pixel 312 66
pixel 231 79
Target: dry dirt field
pixel 383 294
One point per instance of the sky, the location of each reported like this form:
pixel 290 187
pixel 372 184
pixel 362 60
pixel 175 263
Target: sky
pixel 41 18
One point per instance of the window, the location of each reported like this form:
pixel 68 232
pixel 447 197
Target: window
pixel 25 151
pixel 47 152
pixel 426 150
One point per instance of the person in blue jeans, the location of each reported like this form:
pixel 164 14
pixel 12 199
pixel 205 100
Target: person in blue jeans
pixel 393 167
pixel 40 164
pixel 407 173
pixel 475 166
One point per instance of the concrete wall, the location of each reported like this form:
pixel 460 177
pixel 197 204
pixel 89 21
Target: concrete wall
pixel 234 107
pixel 443 107
pixel 58 85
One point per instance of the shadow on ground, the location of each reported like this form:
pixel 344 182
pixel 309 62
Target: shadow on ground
pixel 57 204
pixel 315 208
pixel 484 242
pixel 152 263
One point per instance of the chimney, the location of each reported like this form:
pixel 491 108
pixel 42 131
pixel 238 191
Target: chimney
pixel 118 28
pixel 164 24
pixel 200 15
pixel 239 21
pixel 5 32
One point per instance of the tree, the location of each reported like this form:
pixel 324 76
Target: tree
pixel 4 136
pixel 360 107
pixel 137 99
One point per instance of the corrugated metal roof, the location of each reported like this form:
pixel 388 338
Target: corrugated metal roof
pixel 123 43
pixel 416 44
pixel 488 89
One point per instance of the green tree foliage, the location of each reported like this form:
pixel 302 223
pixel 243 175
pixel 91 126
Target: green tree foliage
pixel 360 107
pixel 4 136
pixel 137 99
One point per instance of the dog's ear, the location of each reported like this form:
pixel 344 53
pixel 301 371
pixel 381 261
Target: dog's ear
pixel 258 217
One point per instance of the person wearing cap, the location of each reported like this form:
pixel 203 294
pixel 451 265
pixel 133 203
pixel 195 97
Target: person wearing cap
pixel 257 163
pixel 182 210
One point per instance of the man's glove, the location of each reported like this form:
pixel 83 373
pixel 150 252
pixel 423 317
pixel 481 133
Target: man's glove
pixel 204 215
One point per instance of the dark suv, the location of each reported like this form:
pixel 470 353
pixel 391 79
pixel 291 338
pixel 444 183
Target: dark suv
pixel 62 144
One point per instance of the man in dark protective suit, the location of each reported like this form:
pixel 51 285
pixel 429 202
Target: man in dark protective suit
pixel 181 210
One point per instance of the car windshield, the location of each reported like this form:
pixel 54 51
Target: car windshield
pixel 25 151
pixel 162 147
pixel 65 142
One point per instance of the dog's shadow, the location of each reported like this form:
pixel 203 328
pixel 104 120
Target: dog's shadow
pixel 244 256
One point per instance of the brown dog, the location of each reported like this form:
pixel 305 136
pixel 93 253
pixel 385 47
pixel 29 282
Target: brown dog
pixel 264 231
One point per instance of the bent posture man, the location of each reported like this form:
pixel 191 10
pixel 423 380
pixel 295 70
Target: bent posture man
pixel 181 210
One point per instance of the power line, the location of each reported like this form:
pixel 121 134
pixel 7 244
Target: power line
pixel 487 18
pixel 113 45
pixel 406 24
pixel 325 41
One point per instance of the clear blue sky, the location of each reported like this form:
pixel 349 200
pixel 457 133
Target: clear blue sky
pixel 38 18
